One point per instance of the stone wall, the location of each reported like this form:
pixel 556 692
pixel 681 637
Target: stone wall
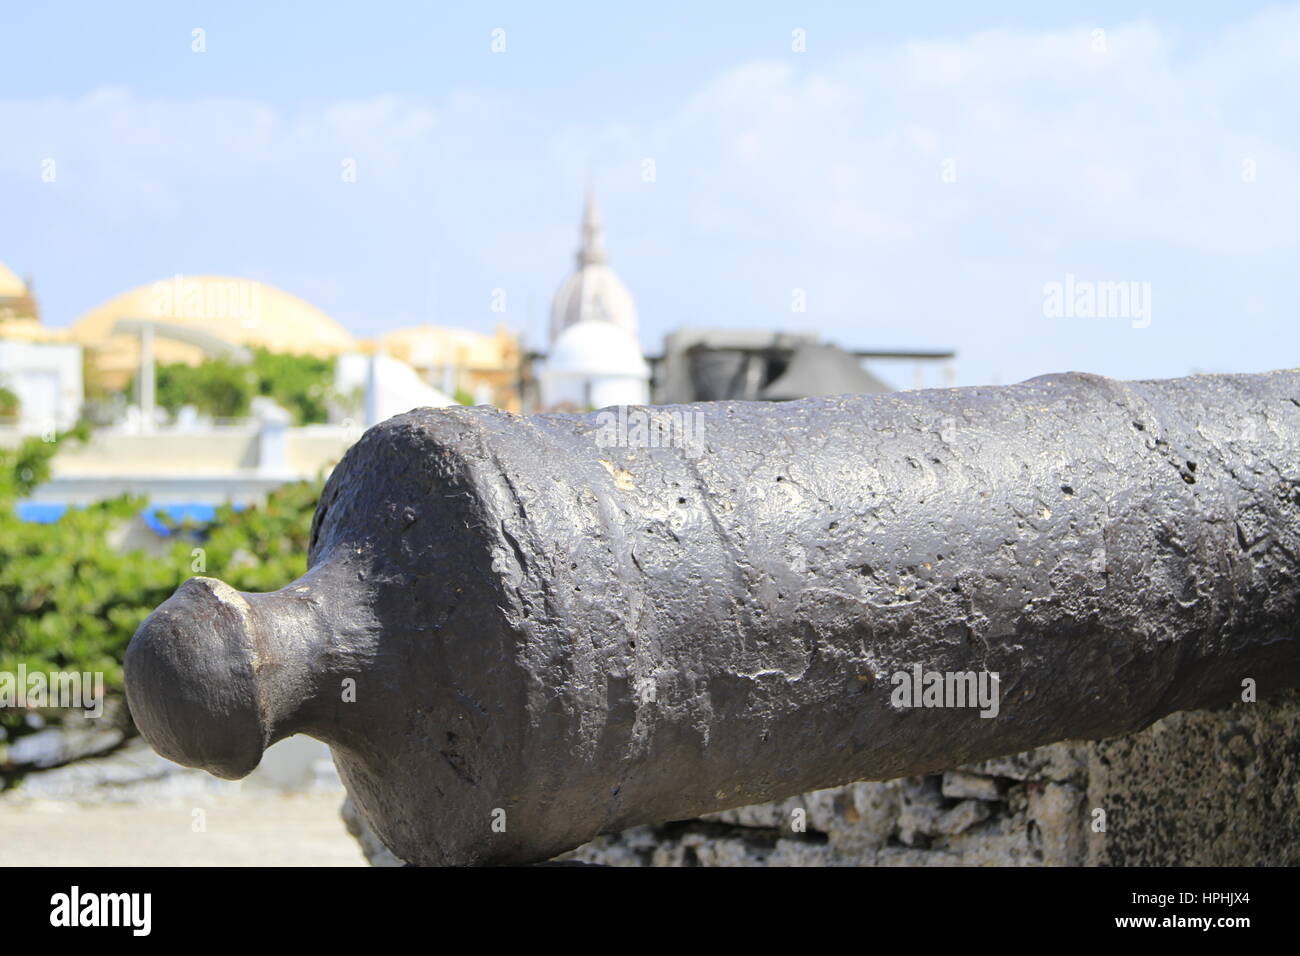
pixel 1196 788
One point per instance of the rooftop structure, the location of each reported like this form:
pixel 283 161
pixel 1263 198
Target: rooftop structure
pixel 593 291
pixel 240 311
pixel 595 357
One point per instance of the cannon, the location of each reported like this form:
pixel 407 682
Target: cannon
pixel 517 633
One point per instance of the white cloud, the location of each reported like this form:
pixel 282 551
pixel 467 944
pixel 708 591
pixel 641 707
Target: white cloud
pixel 1133 140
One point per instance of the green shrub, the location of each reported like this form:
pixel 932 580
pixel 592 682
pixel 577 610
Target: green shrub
pixel 9 403
pixel 302 384
pixel 69 601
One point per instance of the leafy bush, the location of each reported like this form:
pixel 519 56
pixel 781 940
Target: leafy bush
pixel 9 403
pixel 303 384
pixel 216 387
pixel 69 601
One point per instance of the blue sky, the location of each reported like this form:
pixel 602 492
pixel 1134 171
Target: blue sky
pixel 920 171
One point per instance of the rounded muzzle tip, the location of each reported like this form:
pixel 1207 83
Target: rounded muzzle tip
pixel 191 680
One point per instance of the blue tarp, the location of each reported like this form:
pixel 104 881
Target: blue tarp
pixel 196 513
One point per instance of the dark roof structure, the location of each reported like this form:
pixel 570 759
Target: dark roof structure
pixel 818 369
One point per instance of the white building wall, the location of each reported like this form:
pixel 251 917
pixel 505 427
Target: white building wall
pixel 593 391
pixel 391 386
pixel 46 377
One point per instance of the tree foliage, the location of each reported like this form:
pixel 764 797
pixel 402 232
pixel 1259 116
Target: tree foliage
pixel 303 384
pixel 9 403
pixel 70 600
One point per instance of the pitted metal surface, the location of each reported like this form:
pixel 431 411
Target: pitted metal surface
pixel 549 637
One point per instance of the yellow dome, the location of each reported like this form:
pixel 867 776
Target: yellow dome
pixel 241 311
pixel 11 287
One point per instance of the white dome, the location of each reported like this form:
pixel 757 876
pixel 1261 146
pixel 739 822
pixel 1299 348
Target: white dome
pixel 597 348
pixel 595 365
pixel 593 292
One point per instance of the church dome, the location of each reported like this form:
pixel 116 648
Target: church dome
pixel 594 365
pixel 593 292
pixel 593 348
pixel 11 287
pixel 20 317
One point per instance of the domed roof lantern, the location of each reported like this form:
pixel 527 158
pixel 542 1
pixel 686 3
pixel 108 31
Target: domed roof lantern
pixel 592 292
pixel 592 250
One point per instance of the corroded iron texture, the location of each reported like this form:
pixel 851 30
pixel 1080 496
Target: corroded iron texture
pixel 549 637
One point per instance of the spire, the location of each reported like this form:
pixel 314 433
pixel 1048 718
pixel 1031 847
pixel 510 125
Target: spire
pixel 592 250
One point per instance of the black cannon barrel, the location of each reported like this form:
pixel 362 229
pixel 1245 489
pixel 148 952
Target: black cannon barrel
pixel 517 633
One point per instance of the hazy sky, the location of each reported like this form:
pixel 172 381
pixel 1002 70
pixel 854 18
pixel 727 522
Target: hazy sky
pixel 919 171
